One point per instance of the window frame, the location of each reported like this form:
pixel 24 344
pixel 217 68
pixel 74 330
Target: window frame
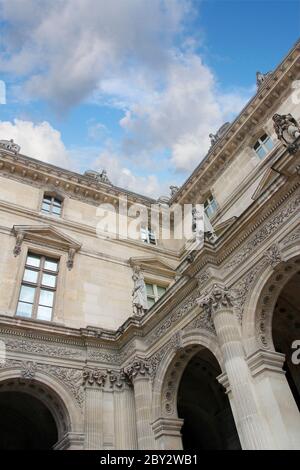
pixel 54 197
pixel 38 285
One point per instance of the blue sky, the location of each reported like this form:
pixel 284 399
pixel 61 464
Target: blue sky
pixel 133 86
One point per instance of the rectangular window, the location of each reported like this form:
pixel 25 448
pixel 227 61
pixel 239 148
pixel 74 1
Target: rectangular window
pixel 148 236
pixel 210 206
pixel 51 205
pixel 263 146
pixel 38 287
pixel 154 292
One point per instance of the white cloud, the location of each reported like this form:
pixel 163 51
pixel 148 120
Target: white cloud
pixel 39 141
pixel 122 176
pixel 181 116
pixel 66 47
pixel 129 54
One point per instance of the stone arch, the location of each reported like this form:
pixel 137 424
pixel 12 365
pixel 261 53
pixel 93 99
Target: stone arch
pixel 169 373
pixel 51 392
pixel 261 301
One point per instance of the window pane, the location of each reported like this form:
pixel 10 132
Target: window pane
pixel 261 152
pixel 24 310
pixel 30 276
pixel 48 280
pixel 47 198
pixel 150 302
pixel 46 298
pixel 269 143
pixel 33 260
pixel 45 207
pixel 56 202
pixel 51 265
pixel 56 210
pixel 160 291
pixel 44 313
pixel 149 288
pixel 27 294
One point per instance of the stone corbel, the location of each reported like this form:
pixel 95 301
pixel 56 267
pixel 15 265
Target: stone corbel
pixel 18 245
pixel 71 255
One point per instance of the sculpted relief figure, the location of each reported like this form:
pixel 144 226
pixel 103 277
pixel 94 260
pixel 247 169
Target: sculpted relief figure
pixel 10 145
pixel 139 295
pixel 286 128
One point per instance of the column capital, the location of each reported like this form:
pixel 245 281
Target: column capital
pixel 138 369
pixel 217 298
pixel 94 377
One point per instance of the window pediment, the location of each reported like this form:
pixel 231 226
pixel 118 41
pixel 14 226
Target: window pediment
pixel 153 265
pixel 269 177
pixel 45 235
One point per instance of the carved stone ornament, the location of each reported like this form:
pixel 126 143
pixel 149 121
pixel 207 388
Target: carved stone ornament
pixel 287 130
pixel 94 377
pixel 18 245
pixel 71 255
pixel 139 368
pixel 28 370
pixel 117 379
pixel 214 138
pixel 174 189
pixel 273 255
pixel 10 145
pixel 217 299
pixel 261 78
pixel 100 177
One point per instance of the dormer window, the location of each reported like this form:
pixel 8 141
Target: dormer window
pixel 210 206
pixel 148 236
pixel 263 145
pixel 51 205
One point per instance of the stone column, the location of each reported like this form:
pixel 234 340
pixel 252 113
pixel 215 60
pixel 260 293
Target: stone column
pixel 275 397
pixel 140 375
pixel 94 381
pixel 125 420
pixel 167 432
pixel 252 428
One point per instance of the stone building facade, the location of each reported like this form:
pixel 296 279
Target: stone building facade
pixel 212 362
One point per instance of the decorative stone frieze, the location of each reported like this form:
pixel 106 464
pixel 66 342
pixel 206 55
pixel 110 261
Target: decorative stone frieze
pixel 28 370
pixel 273 255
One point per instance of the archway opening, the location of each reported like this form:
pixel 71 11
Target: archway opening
pixel 25 422
pixel 286 329
pixel 204 406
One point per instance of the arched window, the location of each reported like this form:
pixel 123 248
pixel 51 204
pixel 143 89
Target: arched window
pixel 52 205
pixel 263 145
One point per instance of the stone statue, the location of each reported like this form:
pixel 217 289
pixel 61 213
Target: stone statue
pixel 286 128
pixel 174 189
pixel 202 226
pixel 215 137
pixel 139 295
pixel 100 177
pixel 10 145
pixel 261 78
